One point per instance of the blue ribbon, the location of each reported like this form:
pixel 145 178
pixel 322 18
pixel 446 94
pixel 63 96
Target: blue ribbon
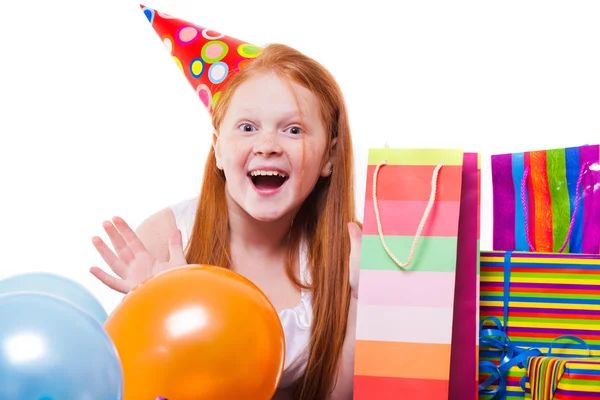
pixel 511 355
pixel 496 338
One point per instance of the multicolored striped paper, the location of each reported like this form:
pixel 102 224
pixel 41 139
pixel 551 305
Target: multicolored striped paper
pixel 551 191
pixel 539 297
pixel 559 378
pixel 404 323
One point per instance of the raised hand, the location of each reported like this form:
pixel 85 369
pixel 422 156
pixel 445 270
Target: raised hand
pixel 355 247
pixel 132 262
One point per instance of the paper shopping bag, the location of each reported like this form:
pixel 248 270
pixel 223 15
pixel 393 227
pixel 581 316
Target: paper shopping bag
pixel 465 328
pixel 538 297
pixel 547 200
pixel 418 276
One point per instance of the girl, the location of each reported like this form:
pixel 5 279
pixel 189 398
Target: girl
pixel 277 206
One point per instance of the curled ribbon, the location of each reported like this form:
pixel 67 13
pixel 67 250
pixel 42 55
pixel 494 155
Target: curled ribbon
pixel 496 338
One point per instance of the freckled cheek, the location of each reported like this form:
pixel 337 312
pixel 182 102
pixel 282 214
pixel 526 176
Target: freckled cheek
pixel 296 157
pixel 234 164
pixel 230 145
pixel 309 154
pixel 307 168
pixel 233 154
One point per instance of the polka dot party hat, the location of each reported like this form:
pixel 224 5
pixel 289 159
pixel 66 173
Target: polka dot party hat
pixel 207 58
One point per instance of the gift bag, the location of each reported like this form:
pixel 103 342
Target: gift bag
pixel 563 378
pixel 535 298
pixel 417 297
pixel 547 200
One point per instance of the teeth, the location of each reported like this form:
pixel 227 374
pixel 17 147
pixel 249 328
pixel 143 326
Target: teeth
pixel 267 173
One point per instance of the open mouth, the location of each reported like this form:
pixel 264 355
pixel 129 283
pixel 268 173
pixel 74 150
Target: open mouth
pixel 268 180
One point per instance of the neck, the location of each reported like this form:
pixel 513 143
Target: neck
pixel 250 234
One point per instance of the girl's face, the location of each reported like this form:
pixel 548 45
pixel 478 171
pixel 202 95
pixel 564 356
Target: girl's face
pixel 271 146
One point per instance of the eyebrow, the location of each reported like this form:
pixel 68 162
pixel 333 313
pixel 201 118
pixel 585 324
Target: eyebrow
pixel 295 113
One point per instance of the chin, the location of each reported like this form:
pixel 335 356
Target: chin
pixel 265 213
pixel 263 216
pixel 263 209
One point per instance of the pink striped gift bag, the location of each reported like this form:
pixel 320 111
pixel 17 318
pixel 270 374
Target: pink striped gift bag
pixel 417 321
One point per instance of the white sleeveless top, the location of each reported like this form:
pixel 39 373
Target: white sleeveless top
pixel 296 321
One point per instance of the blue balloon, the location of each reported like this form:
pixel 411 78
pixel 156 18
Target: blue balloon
pixel 44 282
pixel 50 349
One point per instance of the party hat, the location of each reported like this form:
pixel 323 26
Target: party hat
pixel 207 58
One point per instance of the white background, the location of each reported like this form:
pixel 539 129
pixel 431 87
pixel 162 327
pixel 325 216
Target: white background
pixel 96 120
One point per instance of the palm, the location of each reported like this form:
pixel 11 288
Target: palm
pixel 132 262
pixel 355 247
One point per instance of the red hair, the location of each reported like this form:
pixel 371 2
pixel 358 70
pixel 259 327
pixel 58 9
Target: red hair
pixel 322 219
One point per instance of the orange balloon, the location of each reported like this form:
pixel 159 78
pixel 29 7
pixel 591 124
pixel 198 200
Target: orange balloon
pixel 198 332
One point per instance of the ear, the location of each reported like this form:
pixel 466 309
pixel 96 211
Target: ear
pixel 328 166
pixel 216 148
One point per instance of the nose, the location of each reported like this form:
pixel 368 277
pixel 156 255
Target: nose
pixel 267 144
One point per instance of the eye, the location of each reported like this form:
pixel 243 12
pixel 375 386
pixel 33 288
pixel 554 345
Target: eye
pixel 295 130
pixel 246 128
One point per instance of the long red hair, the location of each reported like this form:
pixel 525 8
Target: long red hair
pixel 322 219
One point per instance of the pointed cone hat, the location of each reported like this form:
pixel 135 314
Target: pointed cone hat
pixel 207 58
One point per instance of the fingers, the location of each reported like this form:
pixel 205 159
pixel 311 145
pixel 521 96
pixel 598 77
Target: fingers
pixel 176 253
pixel 110 281
pixel 118 266
pixel 355 250
pixel 132 240
pixel 355 238
pixel 119 244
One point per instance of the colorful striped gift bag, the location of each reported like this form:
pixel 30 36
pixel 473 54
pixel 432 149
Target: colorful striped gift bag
pixel 547 200
pixel 416 334
pixel 537 297
pixel 563 378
